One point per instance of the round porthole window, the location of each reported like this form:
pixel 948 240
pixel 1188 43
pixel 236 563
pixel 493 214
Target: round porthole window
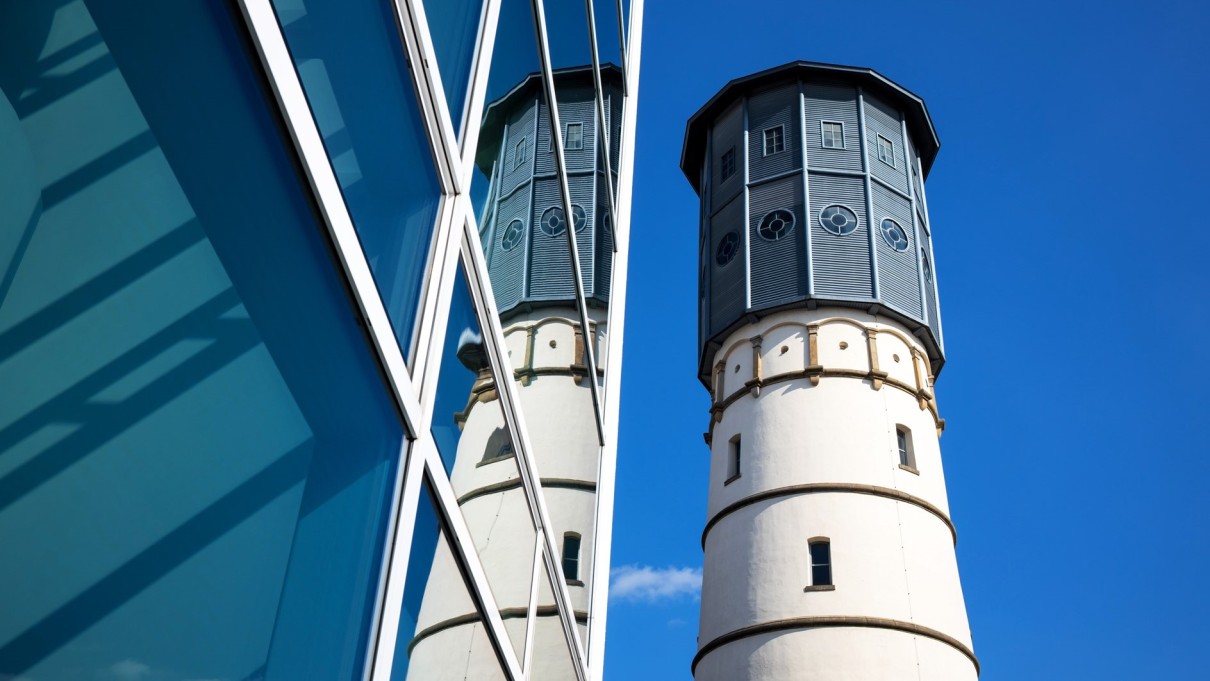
pixel 924 264
pixel 512 235
pixel 894 235
pixel 728 248
pixel 838 220
pixel 776 224
pixel 554 224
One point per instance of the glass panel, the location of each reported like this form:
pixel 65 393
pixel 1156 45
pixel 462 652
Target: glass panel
pixel 441 633
pixel 476 449
pixel 350 59
pixel 197 453
pixel 454 27
pixel 552 658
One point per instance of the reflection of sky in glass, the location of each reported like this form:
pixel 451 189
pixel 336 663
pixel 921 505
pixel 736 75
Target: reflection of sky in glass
pixel 454 28
pixel 350 60
pixel 425 533
pixel 455 380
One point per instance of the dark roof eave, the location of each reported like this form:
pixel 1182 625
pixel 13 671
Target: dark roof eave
pixel 909 101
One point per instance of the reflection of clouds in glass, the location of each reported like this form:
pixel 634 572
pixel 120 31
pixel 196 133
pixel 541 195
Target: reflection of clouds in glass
pixel 648 584
pixel 469 336
pixel 129 670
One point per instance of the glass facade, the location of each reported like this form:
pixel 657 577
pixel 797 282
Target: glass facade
pixel 277 399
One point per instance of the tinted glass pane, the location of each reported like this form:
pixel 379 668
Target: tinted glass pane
pixel 455 28
pixel 350 59
pixel 821 575
pixel 196 449
pixel 441 633
pixel 820 553
pixel 471 434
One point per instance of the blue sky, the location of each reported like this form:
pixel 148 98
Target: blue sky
pixel 1070 234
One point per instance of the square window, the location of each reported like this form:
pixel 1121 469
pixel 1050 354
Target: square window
pixel 886 151
pixel 727 164
pixel 775 140
pixel 574 140
pixel 520 154
pixel 832 134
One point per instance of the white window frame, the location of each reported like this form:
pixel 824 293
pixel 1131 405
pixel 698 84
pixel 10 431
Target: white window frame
pixel 567 137
pixel 890 144
pixel 520 153
pixel 822 138
pixel 781 140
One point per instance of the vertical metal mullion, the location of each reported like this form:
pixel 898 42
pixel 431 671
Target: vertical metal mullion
pixel 747 216
pixel 607 466
pixel 532 611
pixel 497 354
pixel 602 127
pixel 806 188
pixel 418 45
pixel 623 44
pixel 916 230
pixel 278 66
pixel 477 89
pixel 556 126
pixel 869 192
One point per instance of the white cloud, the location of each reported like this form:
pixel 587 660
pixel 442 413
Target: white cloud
pixel 129 670
pixel 645 583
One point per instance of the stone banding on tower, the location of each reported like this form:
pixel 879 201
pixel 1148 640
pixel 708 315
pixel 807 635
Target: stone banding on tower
pixel 829 546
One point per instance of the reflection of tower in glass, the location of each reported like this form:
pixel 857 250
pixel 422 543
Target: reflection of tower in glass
pixel 523 230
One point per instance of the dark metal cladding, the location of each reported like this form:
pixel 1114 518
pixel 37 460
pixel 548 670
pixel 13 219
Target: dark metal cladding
pixel 523 228
pixel 811 178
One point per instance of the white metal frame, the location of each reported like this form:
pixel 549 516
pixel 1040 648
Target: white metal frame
pixel 453 252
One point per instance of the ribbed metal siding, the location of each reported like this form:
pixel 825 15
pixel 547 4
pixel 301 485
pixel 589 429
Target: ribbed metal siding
pixel 930 296
pixel 728 287
pixel 832 103
pixel 840 264
pixel 884 120
pixel 897 273
pixel 550 264
pixel 778 107
pixel 604 251
pixel 584 112
pixel 520 125
pixel 544 160
pixel 911 151
pixel 727 132
pixel 507 267
pixel 778 271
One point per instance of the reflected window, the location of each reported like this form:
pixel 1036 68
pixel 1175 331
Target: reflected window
pixel 520 154
pixel 832 134
pixel 553 223
pixel 571 557
pixel 574 139
pixel 776 225
pixel 886 151
pixel 513 235
pixel 727 164
pixel 775 140
pixel 728 248
pixel 894 235
pixel 928 269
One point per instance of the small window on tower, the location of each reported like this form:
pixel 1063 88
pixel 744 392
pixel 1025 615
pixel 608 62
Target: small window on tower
pixel 726 164
pixel 571 558
pixel 775 140
pixel 734 454
pixel 886 151
pixel 832 133
pixel 520 154
pixel 574 139
pixel 821 564
pixel 903 442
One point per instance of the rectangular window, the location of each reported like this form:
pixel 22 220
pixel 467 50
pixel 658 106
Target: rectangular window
pixel 571 556
pixel 574 139
pixel 520 155
pixel 775 140
pixel 727 164
pixel 821 563
pixel 903 441
pixel 886 151
pixel 832 134
pixel 733 459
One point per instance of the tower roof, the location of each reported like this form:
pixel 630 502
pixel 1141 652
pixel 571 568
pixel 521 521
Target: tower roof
pixel 917 115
